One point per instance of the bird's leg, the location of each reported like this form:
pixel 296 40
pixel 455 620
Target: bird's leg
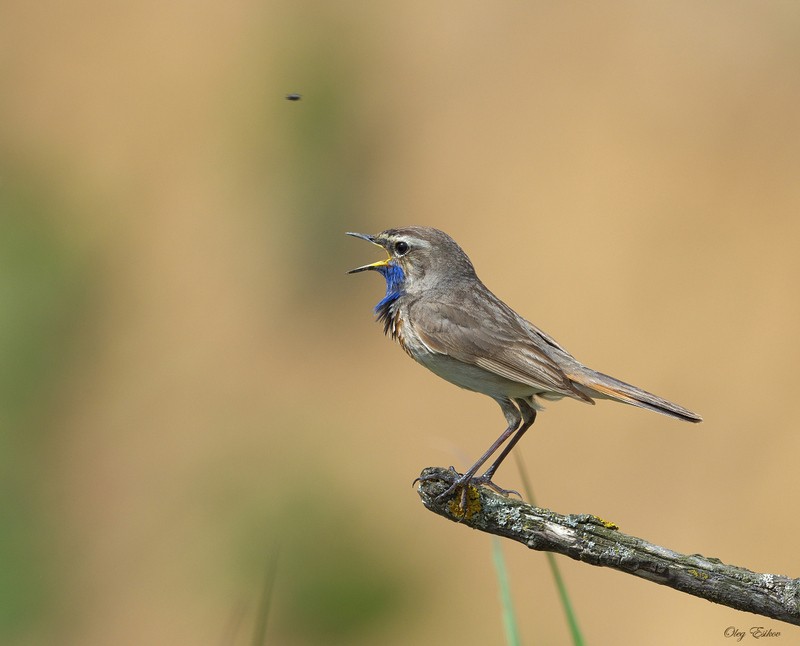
pixel 465 480
pixel 514 419
pixel 528 418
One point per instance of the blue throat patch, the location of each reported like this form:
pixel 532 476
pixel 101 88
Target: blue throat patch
pixel 394 285
pixel 395 278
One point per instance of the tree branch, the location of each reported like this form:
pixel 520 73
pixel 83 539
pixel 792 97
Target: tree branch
pixel 586 538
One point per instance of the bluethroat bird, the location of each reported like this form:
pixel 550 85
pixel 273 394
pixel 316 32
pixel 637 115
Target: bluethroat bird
pixel 445 318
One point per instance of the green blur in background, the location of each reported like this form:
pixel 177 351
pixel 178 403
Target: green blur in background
pixel 43 292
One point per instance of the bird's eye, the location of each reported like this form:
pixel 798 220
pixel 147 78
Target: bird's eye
pixel 401 247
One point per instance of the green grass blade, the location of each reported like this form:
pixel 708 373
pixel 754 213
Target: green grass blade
pixel 260 633
pixel 572 620
pixel 509 618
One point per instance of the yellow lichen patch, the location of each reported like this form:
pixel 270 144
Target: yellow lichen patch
pixel 606 523
pixel 697 574
pixel 473 503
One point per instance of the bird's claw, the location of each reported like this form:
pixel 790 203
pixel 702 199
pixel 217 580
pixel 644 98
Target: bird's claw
pixel 451 478
pixel 487 482
pixel 458 481
pixel 454 479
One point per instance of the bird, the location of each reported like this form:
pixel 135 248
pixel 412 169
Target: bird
pixel 446 319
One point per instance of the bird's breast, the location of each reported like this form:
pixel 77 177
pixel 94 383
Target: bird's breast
pixel 465 375
pixel 399 331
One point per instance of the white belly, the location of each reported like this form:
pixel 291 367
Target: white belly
pixel 465 375
pixel 474 378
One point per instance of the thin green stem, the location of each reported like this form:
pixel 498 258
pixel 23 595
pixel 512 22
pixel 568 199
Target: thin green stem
pixel 572 620
pixel 260 633
pixel 509 618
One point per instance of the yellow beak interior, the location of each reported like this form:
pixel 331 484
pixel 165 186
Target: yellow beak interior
pixel 374 265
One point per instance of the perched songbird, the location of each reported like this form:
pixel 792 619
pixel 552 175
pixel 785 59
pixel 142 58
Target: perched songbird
pixel 442 315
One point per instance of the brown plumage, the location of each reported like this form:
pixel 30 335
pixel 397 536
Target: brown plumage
pixel 449 321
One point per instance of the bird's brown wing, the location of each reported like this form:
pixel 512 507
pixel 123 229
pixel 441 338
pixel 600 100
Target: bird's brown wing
pixel 487 333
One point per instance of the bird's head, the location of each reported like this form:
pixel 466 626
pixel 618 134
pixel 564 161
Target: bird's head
pixel 419 258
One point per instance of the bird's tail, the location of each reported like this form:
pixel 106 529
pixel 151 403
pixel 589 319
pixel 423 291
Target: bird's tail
pixel 596 384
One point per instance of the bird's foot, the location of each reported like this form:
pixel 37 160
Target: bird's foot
pixel 468 498
pixel 486 481
pixel 451 477
pixel 456 481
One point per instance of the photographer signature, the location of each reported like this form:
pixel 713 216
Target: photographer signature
pixel 757 632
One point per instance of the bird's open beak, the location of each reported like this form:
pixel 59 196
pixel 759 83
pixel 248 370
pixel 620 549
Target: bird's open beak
pixel 374 265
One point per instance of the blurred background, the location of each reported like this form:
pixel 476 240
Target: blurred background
pixel 196 405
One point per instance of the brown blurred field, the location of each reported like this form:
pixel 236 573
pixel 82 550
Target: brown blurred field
pixel 189 379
